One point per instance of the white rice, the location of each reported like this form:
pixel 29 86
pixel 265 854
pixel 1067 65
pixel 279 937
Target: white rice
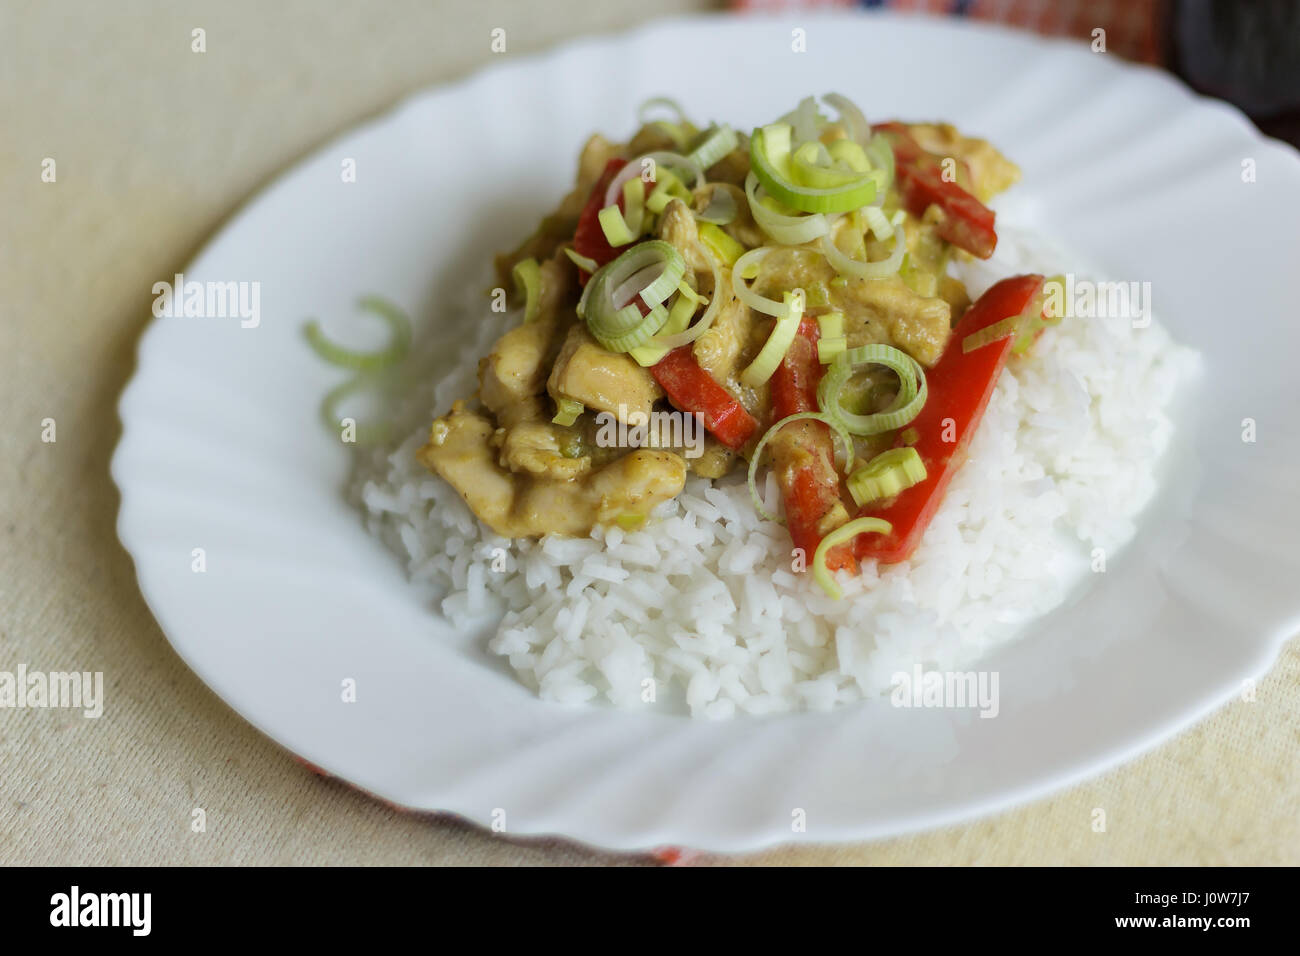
pixel 701 605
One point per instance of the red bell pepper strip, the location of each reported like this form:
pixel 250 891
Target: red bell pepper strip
pixel 693 390
pixel 803 452
pixel 967 222
pixel 961 384
pixel 589 239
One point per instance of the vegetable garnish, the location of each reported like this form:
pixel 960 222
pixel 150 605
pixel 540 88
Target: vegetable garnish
pixel 1040 314
pixel 528 284
pixel 772 157
pixel 856 269
pixel 368 365
pixel 912 389
pixel 717 142
pixel 786 228
pixel 616 229
pixel 963 384
pixel 582 262
pixel 645 274
pixel 679 317
pixel 649 167
pixel 720 209
pixel 774 349
pixel 757 455
pixel 725 248
pixel 689 335
pixel 832 341
pixel 851 118
pixel 693 390
pixel 589 239
pixel 667 188
pixel 680 131
pixel 336 354
pixel 567 411
pixel 886 475
pixel 746 268
pixel 1025 327
pixel 878 222
pixel 634 205
pixel 845 532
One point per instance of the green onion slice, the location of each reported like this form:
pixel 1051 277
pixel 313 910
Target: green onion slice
pixel 878 222
pixel 720 210
pixel 566 411
pixel 813 165
pixel 881 156
pixel 747 267
pixel 757 456
pixel 667 188
pixel 614 226
pixel 806 120
pixel 855 124
pixel 831 325
pixel 679 129
pixel 856 269
pixel 770 153
pixel 845 532
pixel 396 350
pixel 661 102
pixel 634 205
pixel 528 283
pixel 650 270
pixel 652 163
pixel 367 433
pixel 886 475
pixel 718 142
pixel 790 230
pixel 679 317
pixel 912 389
pixel 637 336
pixel 690 334
pixel 830 346
pixel 778 342
pixel 582 262
pixel 723 247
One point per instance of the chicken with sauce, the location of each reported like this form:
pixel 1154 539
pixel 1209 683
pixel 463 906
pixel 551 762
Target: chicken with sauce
pixel 637 301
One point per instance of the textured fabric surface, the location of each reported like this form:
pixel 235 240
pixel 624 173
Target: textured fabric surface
pixel 156 146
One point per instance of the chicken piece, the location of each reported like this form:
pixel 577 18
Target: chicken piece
pixel 601 380
pixel 534 446
pixel 523 506
pixel 628 486
pixel 518 364
pixel 721 349
pixel 917 325
pixel 677 228
pixel 881 311
pixel 715 461
pixel 990 171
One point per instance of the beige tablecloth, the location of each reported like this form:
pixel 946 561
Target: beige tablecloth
pixel 155 146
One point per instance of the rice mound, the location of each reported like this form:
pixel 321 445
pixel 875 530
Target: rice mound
pixel 701 606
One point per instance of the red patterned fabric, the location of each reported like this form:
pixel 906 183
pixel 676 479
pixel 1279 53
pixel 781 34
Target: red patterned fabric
pixel 1134 28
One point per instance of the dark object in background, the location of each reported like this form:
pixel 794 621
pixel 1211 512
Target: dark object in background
pixel 1247 53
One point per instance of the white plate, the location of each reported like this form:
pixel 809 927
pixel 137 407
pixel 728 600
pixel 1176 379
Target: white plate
pixel 222 449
